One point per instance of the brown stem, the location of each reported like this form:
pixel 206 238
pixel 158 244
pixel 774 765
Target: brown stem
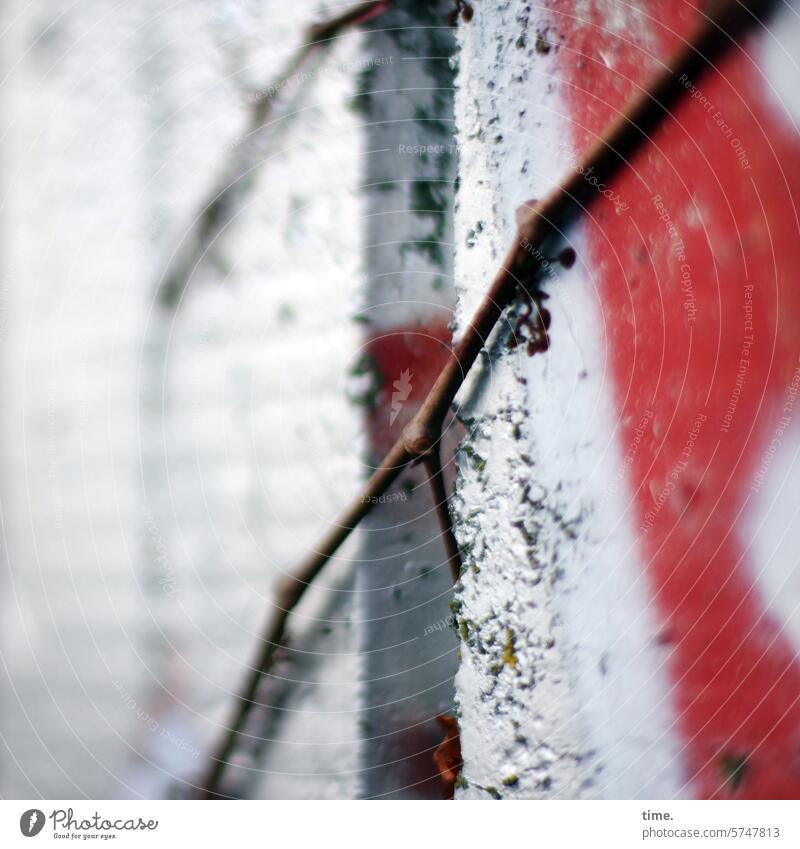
pixel 433 466
pixel 291 590
pixel 220 204
pixel 539 223
pixel 547 219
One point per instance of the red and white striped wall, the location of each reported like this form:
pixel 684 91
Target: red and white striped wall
pixel 632 616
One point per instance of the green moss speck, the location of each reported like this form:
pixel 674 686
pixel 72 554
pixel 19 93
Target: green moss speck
pixel 367 393
pixel 361 103
pixel 432 122
pixel 478 462
pixel 424 247
pixel 543 46
pixel 286 313
pixel 734 769
pixel 509 658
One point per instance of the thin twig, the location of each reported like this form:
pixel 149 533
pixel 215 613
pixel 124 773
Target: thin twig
pixel 541 223
pixel 221 204
pixel 287 596
pixel 433 466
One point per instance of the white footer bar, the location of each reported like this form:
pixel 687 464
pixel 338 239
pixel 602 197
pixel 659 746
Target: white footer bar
pixel 385 825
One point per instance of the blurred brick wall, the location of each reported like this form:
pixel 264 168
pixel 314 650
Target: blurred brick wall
pixel 163 466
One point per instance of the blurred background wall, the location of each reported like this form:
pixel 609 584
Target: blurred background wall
pixel 164 462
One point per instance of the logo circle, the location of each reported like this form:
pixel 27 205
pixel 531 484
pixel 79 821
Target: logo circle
pixel 31 822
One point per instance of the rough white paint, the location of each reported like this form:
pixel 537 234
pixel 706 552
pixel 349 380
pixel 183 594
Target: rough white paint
pixel 778 61
pixel 562 689
pixel 772 525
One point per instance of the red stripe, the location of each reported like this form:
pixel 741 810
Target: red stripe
pixel 420 349
pixel 736 679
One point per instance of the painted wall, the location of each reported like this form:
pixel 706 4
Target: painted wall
pixel 626 620
pixel 161 467
pixel 628 610
pixel 171 448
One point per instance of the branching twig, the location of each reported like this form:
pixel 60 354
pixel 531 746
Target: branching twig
pixel 433 466
pixel 540 224
pixel 287 596
pixel 221 203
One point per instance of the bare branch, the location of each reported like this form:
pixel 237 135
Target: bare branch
pixel 236 179
pixel 433 465
pixel 287 597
